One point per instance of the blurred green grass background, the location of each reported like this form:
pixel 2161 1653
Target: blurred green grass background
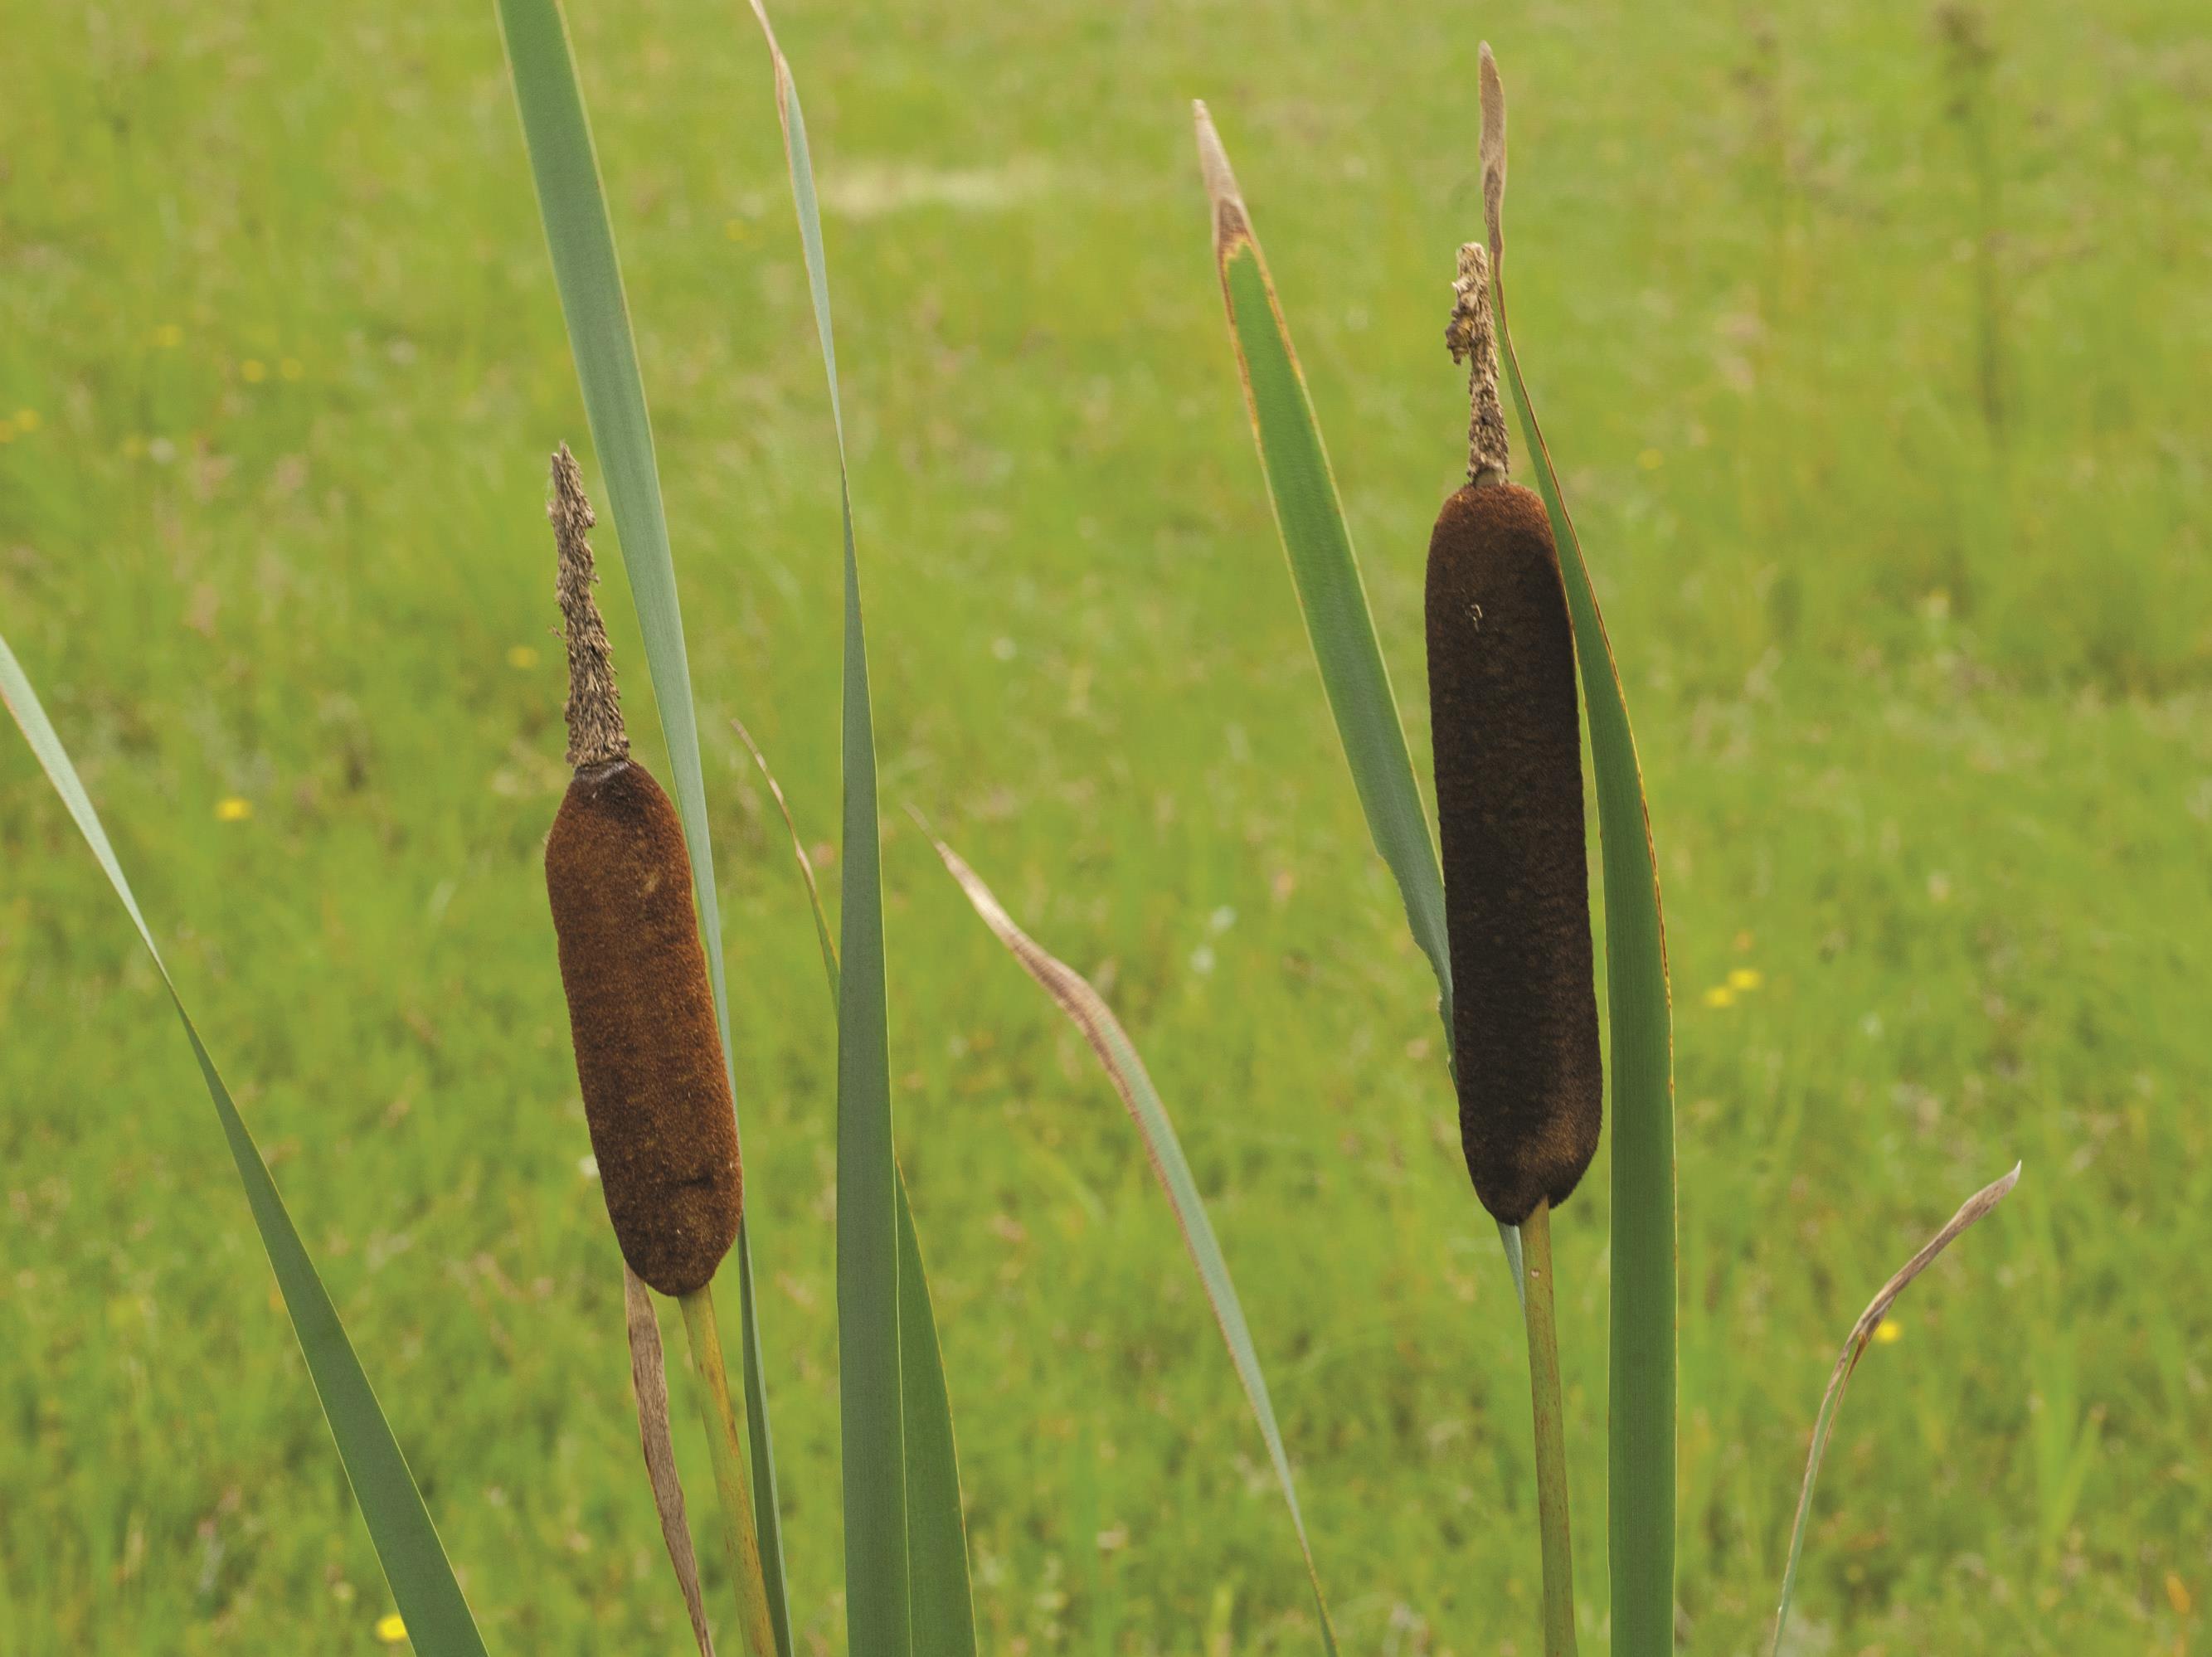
pixel 1870 340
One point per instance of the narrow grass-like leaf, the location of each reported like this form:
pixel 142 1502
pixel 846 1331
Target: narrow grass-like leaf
pixel 1323 565
pixel 937 1530
pixel 648 1381
pixel 822 937
pixel 1326 571
pixel 906 1554
pixel 1118 1056
pixel 585 269
pixel 1848 1360
pixel 1640 1516
pixel 407 1546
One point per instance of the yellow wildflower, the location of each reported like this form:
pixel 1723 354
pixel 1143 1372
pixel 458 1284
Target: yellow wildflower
pixel 391 1628
pixel 168 335
pixel 2176 1594
pixel 521 656
pixel 26 420
pixel 233 810
pixel 1745 978
pixel 253 371
pixel 1720 996
pixel 1888 1331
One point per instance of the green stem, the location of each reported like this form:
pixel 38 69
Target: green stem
pixel 725 1440
pixel 1551 1436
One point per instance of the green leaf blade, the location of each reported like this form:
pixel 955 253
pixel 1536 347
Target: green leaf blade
pixel 870 1391
pixel 941 1599
pixel 1118 1057
pixel 907 1586
pixel 943 1602
pixel 1333 598
pixel 1640 1502
pixel 422 1579
pixel 1332 595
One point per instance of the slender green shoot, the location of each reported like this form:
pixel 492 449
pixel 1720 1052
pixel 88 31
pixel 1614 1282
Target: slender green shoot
pixel 871 1392
pixel 1551 1518
pixel 906 1586
pixel 822 940
pixel 725 1442
pixel 1072 994
pixel 407 1545
pixel 938 1593
pixel 1855 1346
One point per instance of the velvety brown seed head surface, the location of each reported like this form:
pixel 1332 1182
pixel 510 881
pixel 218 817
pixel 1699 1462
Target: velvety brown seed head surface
pixel 642 1019
pixel 1508 742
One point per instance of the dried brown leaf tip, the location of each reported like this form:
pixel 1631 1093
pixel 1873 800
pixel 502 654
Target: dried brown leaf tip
pixel 1230 222
pixel 1492 153
pixel 596 735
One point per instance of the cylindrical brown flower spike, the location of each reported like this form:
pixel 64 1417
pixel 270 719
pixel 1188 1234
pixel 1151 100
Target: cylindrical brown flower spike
pixel 640 1015
pixel 1508 742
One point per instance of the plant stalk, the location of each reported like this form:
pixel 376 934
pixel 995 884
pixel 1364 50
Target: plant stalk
pixel 1550 1436
pixel 725 1439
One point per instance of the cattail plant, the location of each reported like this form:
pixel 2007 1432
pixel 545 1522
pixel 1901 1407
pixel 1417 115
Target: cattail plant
pixel 1503 914
pixel 1506 728
pixel 1505 920
pixel 642 1019
pixel 1507 732
pixel 641 1015
pixel 903 1525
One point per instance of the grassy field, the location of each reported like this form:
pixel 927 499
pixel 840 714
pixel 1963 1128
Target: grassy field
pixel 1871 343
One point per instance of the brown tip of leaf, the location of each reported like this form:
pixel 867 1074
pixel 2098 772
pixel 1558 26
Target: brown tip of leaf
pixel 1493 155
pixel 1230 224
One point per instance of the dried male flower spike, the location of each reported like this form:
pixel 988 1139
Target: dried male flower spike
pixel 1507 733
pixel 640 1015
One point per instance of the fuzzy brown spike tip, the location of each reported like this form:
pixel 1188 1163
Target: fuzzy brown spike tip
pixel 596 735
pixel 1472 338
pixel 1508 742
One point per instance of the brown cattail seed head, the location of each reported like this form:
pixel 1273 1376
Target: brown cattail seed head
pixel 1508 741
pixel 640 1015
